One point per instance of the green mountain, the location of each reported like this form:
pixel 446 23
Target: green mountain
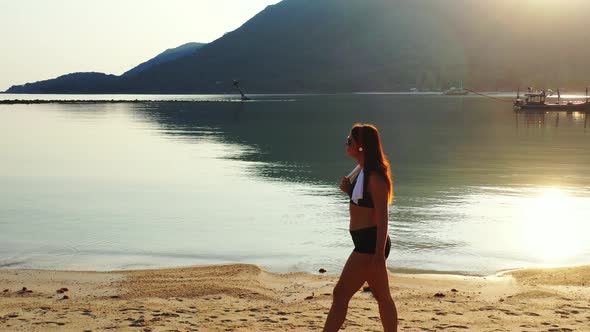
pixel 166 56
pixel 384 45
pixel 88 82
pixel 93 82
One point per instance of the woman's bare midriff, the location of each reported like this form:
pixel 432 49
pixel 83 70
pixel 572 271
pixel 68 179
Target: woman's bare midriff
pixel 360 217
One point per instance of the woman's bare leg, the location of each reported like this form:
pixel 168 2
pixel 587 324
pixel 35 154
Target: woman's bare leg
pixel 379 283
pixel 352 278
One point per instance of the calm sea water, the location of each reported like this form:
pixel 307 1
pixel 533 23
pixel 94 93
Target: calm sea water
pixel 112 186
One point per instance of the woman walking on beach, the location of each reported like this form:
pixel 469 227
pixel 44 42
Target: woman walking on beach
pixel 370 194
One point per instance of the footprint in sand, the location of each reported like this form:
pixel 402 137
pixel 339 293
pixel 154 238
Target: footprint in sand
pixel 140 322
pixel 487 308
pixel 581 307
pixel 56 323
pixel 526 326
pixel 88 313
pixel 445 326
pixel 510 313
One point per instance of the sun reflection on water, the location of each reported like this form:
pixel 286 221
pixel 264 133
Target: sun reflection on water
pixel 551 225
pixel 520 226
pixel 578 115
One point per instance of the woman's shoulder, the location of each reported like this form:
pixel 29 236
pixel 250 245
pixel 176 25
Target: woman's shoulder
pixel 376 179
pixel 377 176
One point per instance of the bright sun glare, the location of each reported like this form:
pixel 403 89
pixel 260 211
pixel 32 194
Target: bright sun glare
pixel 552 225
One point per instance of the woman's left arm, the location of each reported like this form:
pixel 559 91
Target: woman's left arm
pixel 380 192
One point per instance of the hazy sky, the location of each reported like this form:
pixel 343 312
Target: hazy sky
pixel 43 39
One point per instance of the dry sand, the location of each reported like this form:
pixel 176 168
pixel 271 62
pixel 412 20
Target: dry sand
pixel 246 298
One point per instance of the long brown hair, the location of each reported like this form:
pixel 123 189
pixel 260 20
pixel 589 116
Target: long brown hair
pixel 367 136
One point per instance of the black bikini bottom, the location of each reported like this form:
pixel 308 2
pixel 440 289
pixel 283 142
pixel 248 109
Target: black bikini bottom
pixel 365 241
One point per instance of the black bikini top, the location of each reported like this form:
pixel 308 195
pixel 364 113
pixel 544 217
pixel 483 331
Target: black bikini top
pixel 366 201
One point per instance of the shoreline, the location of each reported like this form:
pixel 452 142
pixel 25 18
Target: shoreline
pixel 400 271
pixel 327 272
pixel 244 297
pixel 111 101
pixel 225 97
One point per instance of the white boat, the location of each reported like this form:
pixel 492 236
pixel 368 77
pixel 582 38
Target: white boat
pixel 453 91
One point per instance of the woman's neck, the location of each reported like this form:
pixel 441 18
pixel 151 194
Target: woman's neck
pixel 361 161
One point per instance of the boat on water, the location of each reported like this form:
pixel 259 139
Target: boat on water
pixel 453 91
pixel 536 100
pixel 456 92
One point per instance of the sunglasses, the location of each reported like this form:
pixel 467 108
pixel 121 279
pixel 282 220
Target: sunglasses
pixel 348 141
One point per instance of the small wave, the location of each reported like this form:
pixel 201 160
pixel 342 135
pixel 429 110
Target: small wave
pixel 11 264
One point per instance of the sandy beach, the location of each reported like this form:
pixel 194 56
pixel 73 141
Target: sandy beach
pixel 247 298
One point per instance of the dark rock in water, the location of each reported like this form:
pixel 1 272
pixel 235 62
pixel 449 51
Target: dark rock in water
pixel 65 297
pixel 322 270
pixel 310 297
pixel 439 295
pixel 454 290
pixel 6 290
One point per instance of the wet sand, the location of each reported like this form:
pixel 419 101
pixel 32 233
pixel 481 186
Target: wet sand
pixel 247 298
